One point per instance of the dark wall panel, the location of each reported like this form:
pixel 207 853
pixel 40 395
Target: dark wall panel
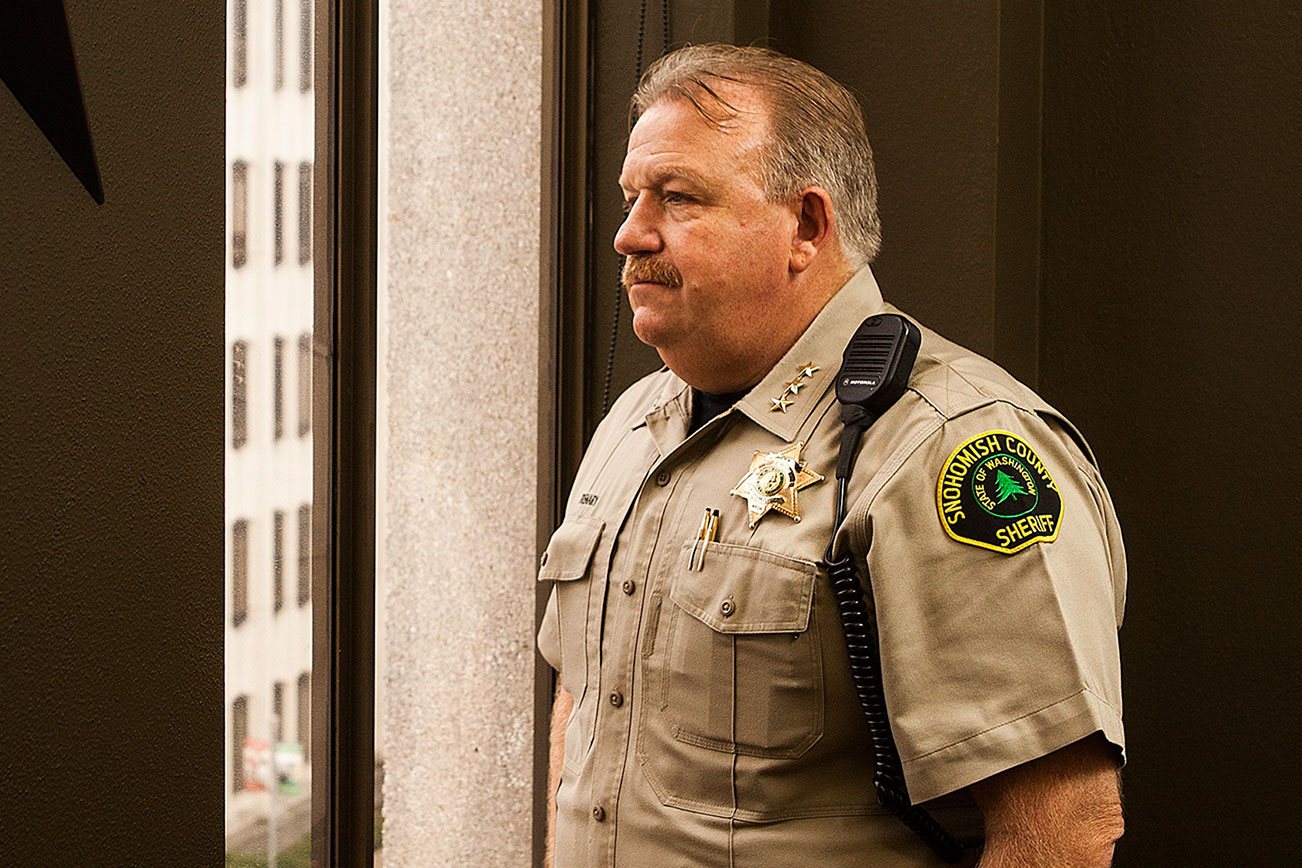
pixel 111 416
pixel 1170 330
pixel 927 75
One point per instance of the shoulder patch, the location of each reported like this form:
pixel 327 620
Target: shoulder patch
pixel 996 493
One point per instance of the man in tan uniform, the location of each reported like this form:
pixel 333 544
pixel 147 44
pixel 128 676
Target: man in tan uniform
pixel 705 705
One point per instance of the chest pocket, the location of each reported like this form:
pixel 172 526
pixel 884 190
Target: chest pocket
pixel 742 667
pixel 568 562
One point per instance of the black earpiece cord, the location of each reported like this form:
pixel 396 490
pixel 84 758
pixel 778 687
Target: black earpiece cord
pixel 619 283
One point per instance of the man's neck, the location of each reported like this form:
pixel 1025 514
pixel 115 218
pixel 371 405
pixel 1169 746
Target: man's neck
pixel 712 369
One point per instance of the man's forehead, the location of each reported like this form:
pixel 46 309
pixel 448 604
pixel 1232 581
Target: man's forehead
pixel 672 140
pixel 660 174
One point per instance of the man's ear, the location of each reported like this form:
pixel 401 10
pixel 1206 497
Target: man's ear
pixel 815 222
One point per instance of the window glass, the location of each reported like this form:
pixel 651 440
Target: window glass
pixel 278 213
pixel 239 41
pixel 305 45
pixel 239 393
pixel 239 732
pixel 278 560
pixel 304 212
pixel 304 554
pixel 239 572
pixel 239 213
pixel 278 34
pixel 278 388
pixel 269 154
pixel 304 385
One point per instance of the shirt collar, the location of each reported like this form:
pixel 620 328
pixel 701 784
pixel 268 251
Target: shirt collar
pixel 785 398
pixel 812 363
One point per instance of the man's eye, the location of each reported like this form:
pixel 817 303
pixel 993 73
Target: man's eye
pixel 676 198
pixel 627 206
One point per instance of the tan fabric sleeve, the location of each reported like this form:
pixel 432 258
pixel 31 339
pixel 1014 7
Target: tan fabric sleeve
pixel 549 634
pixel 990 659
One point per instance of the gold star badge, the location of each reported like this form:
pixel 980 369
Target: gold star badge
pixel 773 481
pixel 809 370
pixel 781 402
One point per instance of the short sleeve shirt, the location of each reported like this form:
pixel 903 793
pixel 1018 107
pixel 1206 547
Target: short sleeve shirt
pixel 715 722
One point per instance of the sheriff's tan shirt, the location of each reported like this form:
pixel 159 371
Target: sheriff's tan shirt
pixel 715 721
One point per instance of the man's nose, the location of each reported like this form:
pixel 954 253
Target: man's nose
pixel 638 233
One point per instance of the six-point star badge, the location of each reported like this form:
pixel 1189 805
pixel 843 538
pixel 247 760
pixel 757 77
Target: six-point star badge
pixel 773 483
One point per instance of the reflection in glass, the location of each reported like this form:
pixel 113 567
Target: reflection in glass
pixel 269 146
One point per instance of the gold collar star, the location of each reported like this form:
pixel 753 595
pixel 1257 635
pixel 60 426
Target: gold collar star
pixel 791 389
pixel 773 481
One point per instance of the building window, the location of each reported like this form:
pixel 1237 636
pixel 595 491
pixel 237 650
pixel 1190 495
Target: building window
pixel 278 212
pixel 278 389
pixel 304 213
pixel 239 732
pixel 239 394
pixel 278 711
pixel 304 719
pixel 278 560
pixel 304 384
pixel 305 45
pixel 279 38
pixel 239 213
pixel 239 572
pixel 240 43
pixel 304 554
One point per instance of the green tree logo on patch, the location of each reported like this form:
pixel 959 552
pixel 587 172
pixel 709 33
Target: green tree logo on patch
pixel 1004 486
pixel 1007 486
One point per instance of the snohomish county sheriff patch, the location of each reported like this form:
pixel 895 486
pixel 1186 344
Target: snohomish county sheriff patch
pixel 996 493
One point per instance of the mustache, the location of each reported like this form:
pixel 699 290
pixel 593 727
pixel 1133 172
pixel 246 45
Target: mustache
pixel 648 269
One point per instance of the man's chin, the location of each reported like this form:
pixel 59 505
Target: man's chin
pixel 650 329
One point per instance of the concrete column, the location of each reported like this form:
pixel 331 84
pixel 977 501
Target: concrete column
pixel 458 427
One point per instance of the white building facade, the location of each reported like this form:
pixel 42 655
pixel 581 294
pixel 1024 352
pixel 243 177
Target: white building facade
pixel 269 151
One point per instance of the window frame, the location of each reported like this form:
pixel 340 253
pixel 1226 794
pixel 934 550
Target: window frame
pixel 344 201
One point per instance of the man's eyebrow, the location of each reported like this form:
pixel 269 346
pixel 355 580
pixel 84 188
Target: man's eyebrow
pixel 662 176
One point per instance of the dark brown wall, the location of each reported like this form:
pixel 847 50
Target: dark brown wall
pixel 111 418
pixel 1170 329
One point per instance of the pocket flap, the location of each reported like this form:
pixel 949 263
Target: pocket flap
pixel 570 549
pixel 741 589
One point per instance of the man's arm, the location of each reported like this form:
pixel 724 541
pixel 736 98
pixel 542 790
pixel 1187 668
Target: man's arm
pixel 1062 810
pixel 561 709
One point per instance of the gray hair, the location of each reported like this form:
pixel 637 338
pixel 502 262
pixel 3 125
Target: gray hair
pixel 816 128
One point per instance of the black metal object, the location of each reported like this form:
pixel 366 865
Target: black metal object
pixel 343 586
pixel 38 64
pixel 666 21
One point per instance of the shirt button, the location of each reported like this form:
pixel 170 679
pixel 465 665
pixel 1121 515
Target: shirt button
pixel 598 813
pixel 727 608
pixel 662 478
pixel 629 586
pixel 617 699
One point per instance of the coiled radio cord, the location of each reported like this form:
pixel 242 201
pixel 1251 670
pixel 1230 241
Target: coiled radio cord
pixel 865 663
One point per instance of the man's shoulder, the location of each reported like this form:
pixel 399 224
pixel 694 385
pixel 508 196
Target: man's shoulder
pixel 955 380
pixel 641 398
